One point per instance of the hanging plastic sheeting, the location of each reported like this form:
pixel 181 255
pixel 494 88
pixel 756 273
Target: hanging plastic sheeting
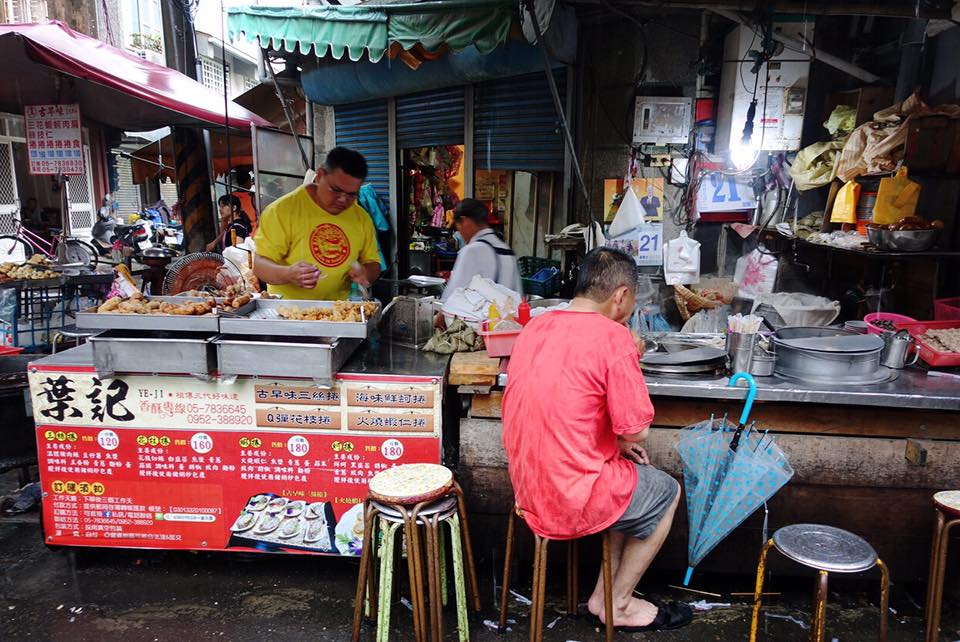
pixel 729 471
pixel 816 165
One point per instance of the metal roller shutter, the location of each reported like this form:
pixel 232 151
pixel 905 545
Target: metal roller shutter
pixel 363 127
pixel 430 118
pixel 516 126
pixel 126 194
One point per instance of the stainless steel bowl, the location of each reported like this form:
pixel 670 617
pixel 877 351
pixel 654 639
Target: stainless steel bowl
pixel 546 303
pixel 911 240
pixel 875 236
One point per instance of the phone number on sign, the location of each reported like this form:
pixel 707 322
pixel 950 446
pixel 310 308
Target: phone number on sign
pixel 214 419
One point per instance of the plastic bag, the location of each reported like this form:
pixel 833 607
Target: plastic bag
pixel 896 198
pixel 8 315
pixel 799 309
pixel 845 206
pixel 816 165
pixel 756 274
pixel 681 260
pixel 628 217
pixel 472 302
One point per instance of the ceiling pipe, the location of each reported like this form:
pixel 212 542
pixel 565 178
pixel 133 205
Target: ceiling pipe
pixel 826 58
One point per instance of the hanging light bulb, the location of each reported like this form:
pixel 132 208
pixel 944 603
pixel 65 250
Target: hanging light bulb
pixel 744 154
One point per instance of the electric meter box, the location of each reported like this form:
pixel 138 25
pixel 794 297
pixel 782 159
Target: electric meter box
pixel 662 121
pixel 776 127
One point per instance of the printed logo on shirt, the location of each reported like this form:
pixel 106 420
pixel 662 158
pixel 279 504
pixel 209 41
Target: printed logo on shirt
pixel 329 246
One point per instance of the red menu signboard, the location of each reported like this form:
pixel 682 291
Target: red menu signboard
pixel 173 462
pixel 54 142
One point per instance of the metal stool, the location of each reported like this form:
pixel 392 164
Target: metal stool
pixel 947 504
pixel 415 496
pixel 71 332
pixel 828 550
pixel 538 596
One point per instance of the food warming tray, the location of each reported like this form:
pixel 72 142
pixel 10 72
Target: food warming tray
pixel 153 352
pixel 315 358
pixel 264 318
pixel 90 318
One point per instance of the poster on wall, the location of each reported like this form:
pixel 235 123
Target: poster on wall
pixel 171 462
pixel 54 140
pixel 648 190
pixel 644 243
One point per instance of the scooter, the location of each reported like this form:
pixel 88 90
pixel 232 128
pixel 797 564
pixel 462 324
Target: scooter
pixel 103 233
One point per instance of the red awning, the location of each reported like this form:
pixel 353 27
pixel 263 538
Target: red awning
pixel 50 63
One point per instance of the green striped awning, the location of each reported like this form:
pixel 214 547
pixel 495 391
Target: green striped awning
pixel 373 27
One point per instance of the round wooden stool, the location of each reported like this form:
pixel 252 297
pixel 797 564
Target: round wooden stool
pixel 415 496
pixel 828 550
pixel 538 592
pixel 947 506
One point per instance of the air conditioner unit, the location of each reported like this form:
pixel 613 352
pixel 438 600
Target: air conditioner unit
pixel 781 89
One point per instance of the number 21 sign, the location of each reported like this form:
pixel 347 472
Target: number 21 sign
pixel 725 193
pixel 644 243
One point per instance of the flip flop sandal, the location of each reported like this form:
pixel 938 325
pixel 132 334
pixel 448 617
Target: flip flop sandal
pixel 670 615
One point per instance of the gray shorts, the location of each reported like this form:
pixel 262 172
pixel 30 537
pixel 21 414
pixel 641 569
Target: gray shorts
pixel 652 497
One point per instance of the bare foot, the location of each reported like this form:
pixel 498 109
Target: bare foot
pixel 637 612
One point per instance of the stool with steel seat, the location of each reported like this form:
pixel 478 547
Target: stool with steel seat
pixel 947 505
pixel 71 332
pixel 415 497
pixel 828 550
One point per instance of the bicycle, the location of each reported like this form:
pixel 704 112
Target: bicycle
pixel 77 253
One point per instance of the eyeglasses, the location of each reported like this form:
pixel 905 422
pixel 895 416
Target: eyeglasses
pixel 339 193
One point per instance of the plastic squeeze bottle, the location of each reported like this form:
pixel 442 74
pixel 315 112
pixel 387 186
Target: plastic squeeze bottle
pixel 493 317
pixel 523 313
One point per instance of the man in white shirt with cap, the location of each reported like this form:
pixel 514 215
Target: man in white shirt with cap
pixel 484 252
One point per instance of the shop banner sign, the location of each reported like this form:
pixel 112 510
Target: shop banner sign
pixel 54 143
pixel 173 462
pixel 644 243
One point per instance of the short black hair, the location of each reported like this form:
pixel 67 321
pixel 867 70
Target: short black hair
pixel 472 209
pixel 602 271
pixel 244 174
pixel 348 161
pixel 231 200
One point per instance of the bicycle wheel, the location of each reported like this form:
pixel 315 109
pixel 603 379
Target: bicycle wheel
pixel 14 249
pixel 82 253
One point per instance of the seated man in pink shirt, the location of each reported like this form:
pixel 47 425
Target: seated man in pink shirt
pixel 575 413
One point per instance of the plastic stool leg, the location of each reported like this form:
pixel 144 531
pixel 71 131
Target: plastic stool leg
pixel 460 589
pixel 386 580
pixel 884 598
pixel 758 590
pixel 819 623
pixel 933 625
pixel 507 563
pixel 931 583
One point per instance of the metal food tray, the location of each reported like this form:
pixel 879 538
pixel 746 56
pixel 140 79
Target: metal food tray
pixel 153 352
pixel 92 319
pixel 265 319
pixel 315 358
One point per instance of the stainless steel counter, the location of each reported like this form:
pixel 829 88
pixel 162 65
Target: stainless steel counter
pixel 912 389
pixel 374 357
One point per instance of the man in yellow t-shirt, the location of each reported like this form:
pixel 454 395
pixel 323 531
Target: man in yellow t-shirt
pixel 313 242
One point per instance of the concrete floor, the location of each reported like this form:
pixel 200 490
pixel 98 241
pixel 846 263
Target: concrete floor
pixel 90 594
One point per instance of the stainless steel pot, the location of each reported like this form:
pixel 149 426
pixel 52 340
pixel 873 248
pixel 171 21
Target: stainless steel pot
pixel 836 365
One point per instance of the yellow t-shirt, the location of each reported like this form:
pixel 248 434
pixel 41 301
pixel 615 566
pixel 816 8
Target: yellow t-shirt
pixel 294 228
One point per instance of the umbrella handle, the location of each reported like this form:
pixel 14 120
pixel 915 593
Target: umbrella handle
pixel 751 394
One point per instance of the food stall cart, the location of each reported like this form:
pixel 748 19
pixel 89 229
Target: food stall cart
pixel 139 448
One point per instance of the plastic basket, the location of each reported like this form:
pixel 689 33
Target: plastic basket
pixel 529 266
pixel 873 317
pixel 932 356
pixel 946 309
pixel 500 344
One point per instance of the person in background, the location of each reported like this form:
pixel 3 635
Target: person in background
pixel 30 212
pixel 232 219
pixel 315 241
pixel 575 415
pixel 483 253
pixel 245 194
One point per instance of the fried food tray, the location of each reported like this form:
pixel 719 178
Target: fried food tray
pixel 265 319
pixel 92 319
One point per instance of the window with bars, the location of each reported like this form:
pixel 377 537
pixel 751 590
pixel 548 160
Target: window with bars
pixel 250 82
pixel 211 74
pixel 25 10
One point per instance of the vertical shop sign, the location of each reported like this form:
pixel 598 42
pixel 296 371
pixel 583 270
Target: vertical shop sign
pixel 54 143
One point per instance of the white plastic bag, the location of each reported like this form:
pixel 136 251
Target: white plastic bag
pixel 629 215
pixel 756 274
pixel 472 303
pixel 681 261
pixel 799 309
